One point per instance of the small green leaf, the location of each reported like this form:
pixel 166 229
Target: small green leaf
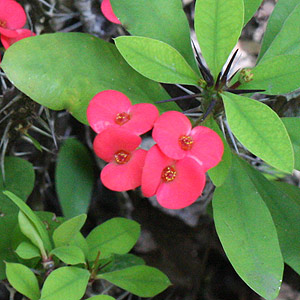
pixel 19 178
pixel 156 60
pixel 142 281
pixel 27 251
pixel 117 235
pixel 218 26
pixel 247 232
pixel 281 13
pixel 219 173
pixel 66 70
pixel 260 130
pixel 293 128
pixel 135 17
pixel 64 234
pixel 68 283
pixel 74 178
pixel 35 142
pixel 70 255
pixel 40 227
pixel 23 280
pixel 101 297
pixel 285 213
pixel 276 75
pixel 80 242
pixel 251 6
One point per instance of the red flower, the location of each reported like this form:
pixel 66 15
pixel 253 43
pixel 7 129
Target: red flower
pixel 118 147
pixel 177 139
pixel 176 183
pixel 21 34
pixel 113 109
pixel 108 12
pixel 12 17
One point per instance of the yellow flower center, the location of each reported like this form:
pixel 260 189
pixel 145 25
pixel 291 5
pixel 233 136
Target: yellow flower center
pixel 168 174
pixel 185 142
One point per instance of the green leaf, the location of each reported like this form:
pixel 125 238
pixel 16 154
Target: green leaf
pixel 281 13
pixel 218 26
pixel 101 297
pixel 40 227
pixel 291 190
pixel 27 251
pixel 285 213
pixel 70 255
pixel 80 242
pixel 156 60
pixel 219 173
pixel 7 224
pixel 23 280
pixel 65 70
pixel 19 178
pixel 117 235
pixel 247 232
pixel 276 75
pixel 260 130
pixel 293 128
pixel 74 178
pixel 68 283
pixel 142 281
pixel 251 6
pixel 147 18
pixel 64 234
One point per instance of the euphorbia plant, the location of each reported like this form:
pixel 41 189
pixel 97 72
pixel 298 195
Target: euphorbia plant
pixel 256 219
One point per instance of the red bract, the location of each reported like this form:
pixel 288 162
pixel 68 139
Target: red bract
pixel 108 12
pixel 21 34
pixel 111 108
pixel 177 139
pixel 118 147
pixel 12 17
pixel 176 183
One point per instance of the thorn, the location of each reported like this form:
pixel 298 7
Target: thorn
pixel 180 98
pixel 238 92
pixel 228 67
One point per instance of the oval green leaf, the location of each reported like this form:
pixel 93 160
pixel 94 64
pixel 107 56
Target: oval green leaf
pixel 68 283
pixel 19 179
pixel 276 75
pixel 292 126
pixel 251 6
pixel 281 13
pixel 260 130
pixel 147 18
pixel 23 280
pixel 117 235
pixel 65 70
pixel 70 255
pixel 218 26
pixel 247 233
pixel 101 297
pixel 156 60
pixel 142 281
pixel 65 233
pixel 74 178
pixel 27 251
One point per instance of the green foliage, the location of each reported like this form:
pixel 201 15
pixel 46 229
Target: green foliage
pixel 260 130
pixel 74 178
pixel 70 255
pixel 247 232
pixel 23 280
pixel 156 60
pixel 148 18
pixel 116 235
pixel 19 179
pixel 251 7
pixel 143 281
pixel 65 70
pixel 101 297
pixel 218 25
pixel 27 251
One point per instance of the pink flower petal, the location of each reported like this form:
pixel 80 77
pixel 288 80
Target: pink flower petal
pixel 12 15
pixel 208 147
pixel 185 188
pixel 167 130
pixel 21 34
pixel 112 140
pixel 104 107
pixel 127 176
pixel 108 12
pixel 155 162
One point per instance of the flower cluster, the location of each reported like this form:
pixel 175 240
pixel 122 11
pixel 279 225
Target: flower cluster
pixel 12 21
pixel 108 12
pixel 173 169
